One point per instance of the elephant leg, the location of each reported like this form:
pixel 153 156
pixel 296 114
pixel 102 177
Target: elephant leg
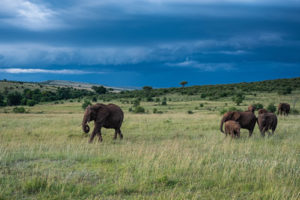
pixel 250 133
pixel 100 135
pixel 95 131
pixel 120 134
pixel 116 134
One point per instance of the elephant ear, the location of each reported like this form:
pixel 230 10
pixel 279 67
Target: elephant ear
pixel 236 116
pixel 101 112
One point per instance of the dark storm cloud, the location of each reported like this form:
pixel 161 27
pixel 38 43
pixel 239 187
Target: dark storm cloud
pixel 147 36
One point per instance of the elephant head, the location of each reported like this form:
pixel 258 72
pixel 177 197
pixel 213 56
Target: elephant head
pixel 89 115
pixel 251 108
pixel 235 115
pixel 94 112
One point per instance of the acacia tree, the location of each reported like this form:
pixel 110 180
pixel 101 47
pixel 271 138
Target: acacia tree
pixel 183 83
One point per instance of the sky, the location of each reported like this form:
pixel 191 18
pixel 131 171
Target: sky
pixel 158 43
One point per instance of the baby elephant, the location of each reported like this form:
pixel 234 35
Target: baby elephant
pixel 266 122
pixel 232 128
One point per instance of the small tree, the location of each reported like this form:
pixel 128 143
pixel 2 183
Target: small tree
pixel 238 99
pixel 271 108
pixel 100 89
pixel 2 103
pixel 164 101
pixel 14 99
pixel 85 104
pixel 147 88
pixel 183 83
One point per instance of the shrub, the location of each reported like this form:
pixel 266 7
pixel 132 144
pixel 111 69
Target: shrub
pixel 238 98
pixel 157 99
pixel 14 99
pixel 149 99
pixel 284 91
pixel 19 110
pixel 224 110
pixel 2 103
pixel 130 109
pixel 271 108
pixel 139 109
pixel 295 111
pixel 136 102
pixel 190 112
pixel 203 95
pixel 94 99
pixel 157 111
pixel 201 105
pixel 85 104
pixel 30 102
pixel 164 101
pixel 258 106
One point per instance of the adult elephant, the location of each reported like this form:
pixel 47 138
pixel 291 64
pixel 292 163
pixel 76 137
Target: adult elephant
pixel 251 108
pixel 266 122
pixel 247 120
pixel 284 108
pixel 107 116
pixel 261 111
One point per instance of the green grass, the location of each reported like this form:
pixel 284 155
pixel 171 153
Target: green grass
pixel 174 155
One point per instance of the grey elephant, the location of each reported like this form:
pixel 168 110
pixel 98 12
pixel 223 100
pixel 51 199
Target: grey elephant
pixel 247 120
pixel 283 108
pixel 107 116
pixel 232 128
pixel 266 122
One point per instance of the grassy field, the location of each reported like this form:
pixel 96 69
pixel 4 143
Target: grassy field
pixel 174 155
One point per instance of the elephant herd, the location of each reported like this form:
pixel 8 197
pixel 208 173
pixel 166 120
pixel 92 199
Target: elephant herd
pixel 111 116
pixel 235 120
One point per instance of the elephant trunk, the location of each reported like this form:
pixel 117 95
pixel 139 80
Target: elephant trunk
pixel 221 126
pixel 85 126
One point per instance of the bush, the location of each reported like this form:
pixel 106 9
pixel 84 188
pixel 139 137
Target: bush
pixel 284 91
pixel 258 106
pixel 19 110
pixel 149 99
pixel 157 111
pixel 136 102
pixel 157 99
pixel 238 98
pixel 271 108
pixel 164 101
pixel 14 99
pixel 201 105
pixel 94 99
pixel 224 110
pixel 294 111
pixel 30 102
pixel 85 104
pixel 139 109
pixel 190 112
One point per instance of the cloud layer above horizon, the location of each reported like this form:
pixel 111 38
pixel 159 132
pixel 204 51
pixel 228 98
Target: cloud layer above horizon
pixel 140 42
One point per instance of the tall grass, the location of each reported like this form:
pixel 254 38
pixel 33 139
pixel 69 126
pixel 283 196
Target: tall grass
pixel 173 155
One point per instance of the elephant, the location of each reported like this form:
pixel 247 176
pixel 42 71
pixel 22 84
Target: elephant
pixel 107 116
pixel 247 120
pixel 232 128
pixel 266 121
pixel 251 108
pixel 283 108
pixel 261 111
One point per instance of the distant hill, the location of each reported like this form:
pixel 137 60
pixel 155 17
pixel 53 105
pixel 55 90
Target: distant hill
pixel 50 85
pixel 78 85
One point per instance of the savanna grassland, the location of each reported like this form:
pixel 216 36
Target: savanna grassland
pixel 174 155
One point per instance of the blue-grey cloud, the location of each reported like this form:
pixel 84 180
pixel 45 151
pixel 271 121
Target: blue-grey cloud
pixel 142 37
pixel 47 71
